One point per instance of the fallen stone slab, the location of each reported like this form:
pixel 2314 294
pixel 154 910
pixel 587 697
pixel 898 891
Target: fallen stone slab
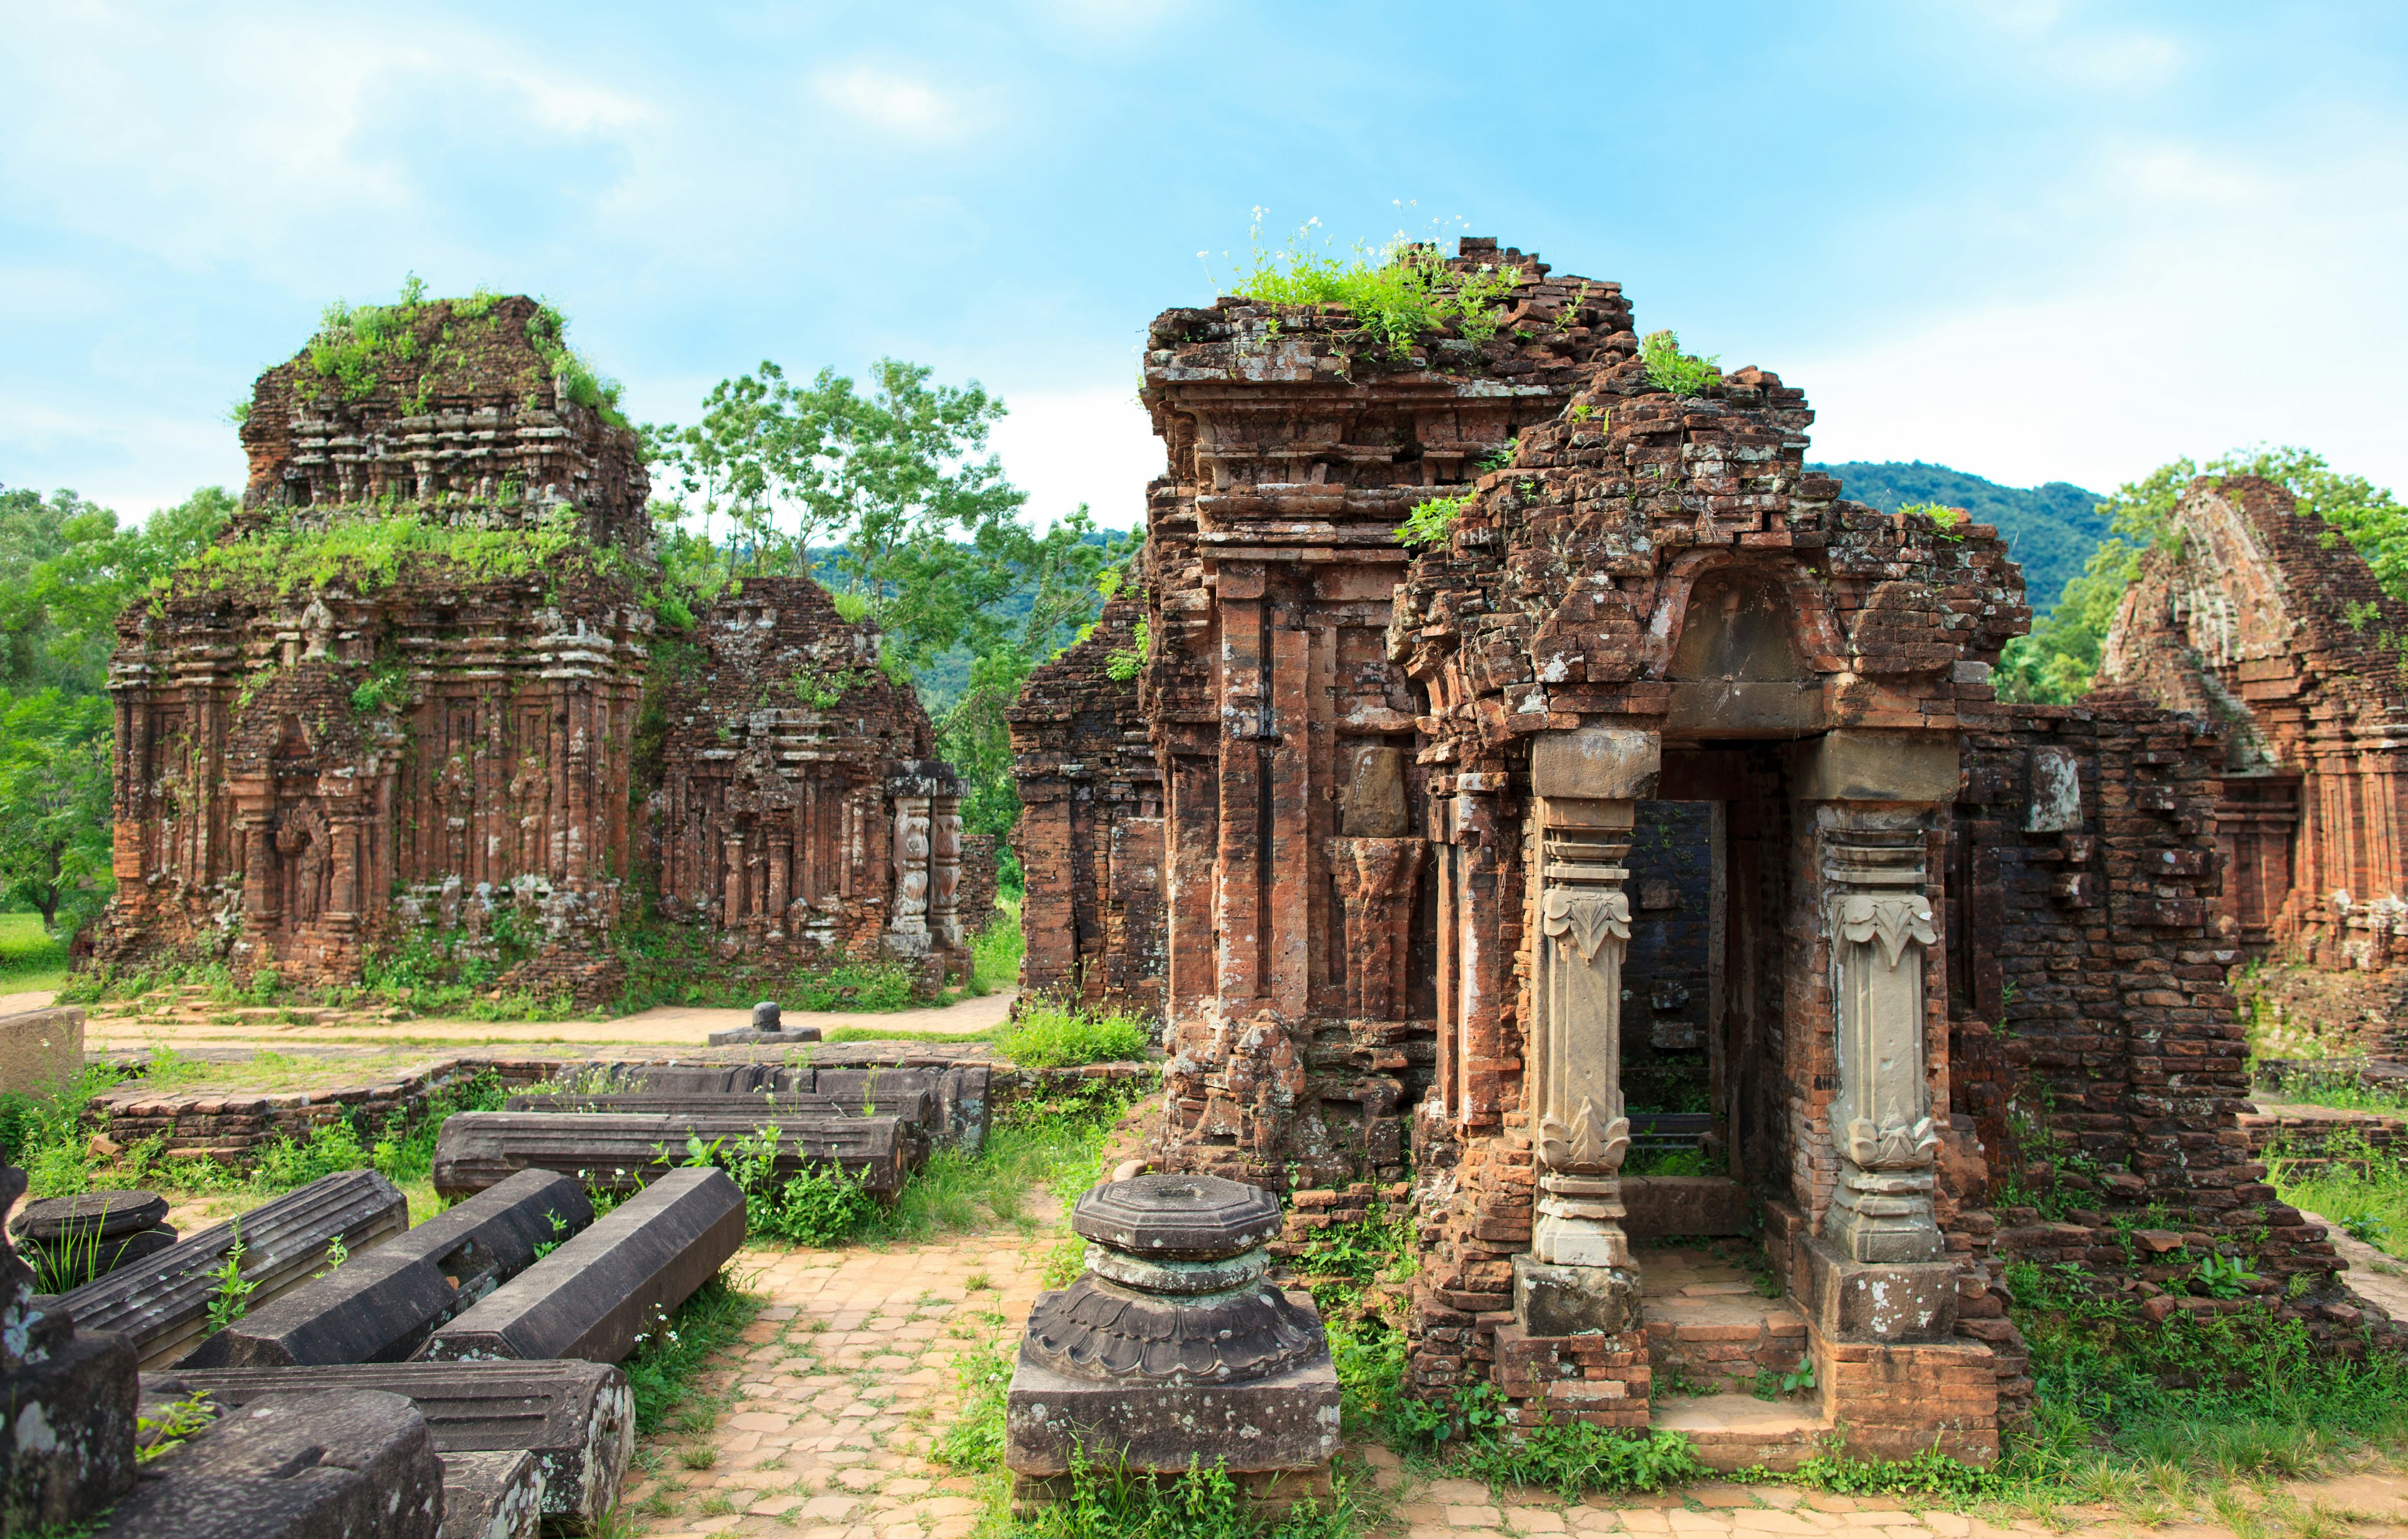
pixel 357 1463
pixel 491 1496
pixel 90 1215
pixel 960 1093
pixel 161 1303
pixel 601 1292
pixel 767 1107
pixel 41 1051
pixel 381 1306
pixel 620 1151
pixel 576 1420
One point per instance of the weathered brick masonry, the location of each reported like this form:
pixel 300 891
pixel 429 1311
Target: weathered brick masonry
pixel 402 698
pixel 2264 619
pixel 1666 798
pixel 1090 830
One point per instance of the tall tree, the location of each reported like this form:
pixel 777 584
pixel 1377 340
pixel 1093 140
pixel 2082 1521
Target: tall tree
pixel 54 824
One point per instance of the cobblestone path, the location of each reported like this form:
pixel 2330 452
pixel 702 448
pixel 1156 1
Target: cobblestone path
pixel 838 1387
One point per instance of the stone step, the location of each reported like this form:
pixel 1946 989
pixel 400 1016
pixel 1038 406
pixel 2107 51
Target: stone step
pixel 356 1462
pixel 578 1419
pixel 605 1290
pixel 161 1303
pixel 380 1307
pixel 1733 1432
pixel 614 1151
pixel 1718 1333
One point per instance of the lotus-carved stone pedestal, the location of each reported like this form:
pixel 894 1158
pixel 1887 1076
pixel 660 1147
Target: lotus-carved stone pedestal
pixel 1173 1351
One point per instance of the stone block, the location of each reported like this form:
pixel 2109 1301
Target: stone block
pixel 1551 1300
pixel 960 1093
pixel 748 1036
pixel 41 1051
pixel 595 1295
pixel 67 1430
pixel 913 1107
pixel 494 1495
pixel 353 1463
pixel 161 1303
pixel 1873 1302
pixel 380 1306
pixel 1855 765
pixel 622 1151
pixel 1287 1421
pixel 1596 763
pixel 576 1420
pixel 1663 1206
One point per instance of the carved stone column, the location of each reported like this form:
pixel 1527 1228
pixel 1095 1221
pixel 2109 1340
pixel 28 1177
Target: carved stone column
pixel 1579 1277
pixel 1878 925
pixel 1873 1271
pixel 945 869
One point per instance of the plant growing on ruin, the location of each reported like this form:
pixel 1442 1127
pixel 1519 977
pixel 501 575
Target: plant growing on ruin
pixel 1669 368
pixel 822 691
pixel 178 1420
pixel 1398 291
pixel 227 1302
pixel 1432 522
pixel 1122 664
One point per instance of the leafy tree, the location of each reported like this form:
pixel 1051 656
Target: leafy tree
pixel 67 569
pixel 2059 660
pixel 54 815
pixel 915 526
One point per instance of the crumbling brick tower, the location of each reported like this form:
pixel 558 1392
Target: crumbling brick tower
pixel 802 814
pixel 1302 904
pixel 1090 833
pixel 2265 620
pixel 402 688
pixel 1662 803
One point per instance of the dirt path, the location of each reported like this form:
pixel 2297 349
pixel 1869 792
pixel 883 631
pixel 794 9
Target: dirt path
pixel 667 1026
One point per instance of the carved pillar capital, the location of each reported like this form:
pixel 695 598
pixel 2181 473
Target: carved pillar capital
pixel 1878 925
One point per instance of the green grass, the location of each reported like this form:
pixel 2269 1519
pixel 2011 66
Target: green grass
pixel 1049 1035
pixel 2357 1187
pixel 31 957
pixel 662 1368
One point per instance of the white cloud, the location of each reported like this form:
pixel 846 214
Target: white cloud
pixel 891 100
pixel 2209 305
pixel 1092 446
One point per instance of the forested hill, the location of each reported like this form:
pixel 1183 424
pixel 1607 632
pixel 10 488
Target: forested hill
pixel 2050 529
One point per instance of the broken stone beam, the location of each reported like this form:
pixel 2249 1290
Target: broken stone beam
pixel 913 1107
pixel 355 1462
pixel 161 1303
pixel 615 1151
pixel 491 1496
pixel 960 1093
pixel 578 1419
pixel 601 1292
pixel 380 1306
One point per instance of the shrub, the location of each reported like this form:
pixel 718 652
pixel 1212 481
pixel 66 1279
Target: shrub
pixel 1433 521
pixel 1572 1457
pixel 1398 291
pixel 1669 368
pixel 1053 1036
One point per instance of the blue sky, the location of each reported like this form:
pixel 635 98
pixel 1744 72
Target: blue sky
pixel 2035 241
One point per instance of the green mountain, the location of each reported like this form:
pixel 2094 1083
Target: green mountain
pixel 2050 529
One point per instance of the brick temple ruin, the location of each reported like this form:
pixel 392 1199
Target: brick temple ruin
pixel 439 735
pixel 2267 622
pixel 1664 805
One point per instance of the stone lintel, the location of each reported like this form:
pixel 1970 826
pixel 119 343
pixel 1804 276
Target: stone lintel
pixel 1596 763
pixel 1855 765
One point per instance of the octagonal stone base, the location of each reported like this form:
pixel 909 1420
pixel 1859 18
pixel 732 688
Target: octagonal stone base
pixel 1284 1425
